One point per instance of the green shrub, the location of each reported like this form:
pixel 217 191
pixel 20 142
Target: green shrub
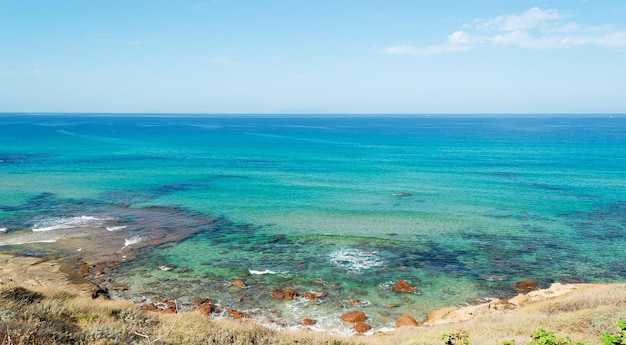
pixel 616 338
pixel 460 337
pixel 543 337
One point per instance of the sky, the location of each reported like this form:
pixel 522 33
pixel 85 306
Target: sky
pixel 305 56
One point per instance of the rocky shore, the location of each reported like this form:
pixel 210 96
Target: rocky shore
pixel 31 272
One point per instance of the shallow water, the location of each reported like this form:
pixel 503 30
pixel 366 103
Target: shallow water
pixel 460 207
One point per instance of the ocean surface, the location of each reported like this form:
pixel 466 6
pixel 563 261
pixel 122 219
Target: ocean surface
pixel 461 207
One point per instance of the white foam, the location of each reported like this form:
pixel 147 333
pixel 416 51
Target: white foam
pixel 388 285
pixel 50 240
pixel 115 228
pixel 133 240
pixel 355 260
pixel 266 271
pixel 3 229
pixel 57 223
pixel 27 239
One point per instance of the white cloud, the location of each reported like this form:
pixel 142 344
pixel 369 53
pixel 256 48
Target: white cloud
pixel 458 41
pixel 530 19
pixel 532 29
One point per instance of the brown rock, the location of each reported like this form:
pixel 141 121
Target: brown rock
pixel 406 321
pixel 362 327
pixel 237 314
pixel 354 316
pixel 206 309
pixel 149 307
pixel 170 304
pixel 404 287
pixel 353 301
pixel 311 295
pixel 169 311
pixel 201 301
pixel 287 293
pixel 526 286
pixel 308 322
pixel 238 283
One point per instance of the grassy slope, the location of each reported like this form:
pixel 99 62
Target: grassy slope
pixel 49 316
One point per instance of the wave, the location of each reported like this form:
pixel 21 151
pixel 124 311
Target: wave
pixel 57 223
pixel 3 229
pixel 355 260
pixel 115 228
pixel 266 271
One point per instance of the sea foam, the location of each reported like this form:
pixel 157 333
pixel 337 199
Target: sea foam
pixel 132 240
pixel 355 260
pixel 57 223
pixel 115 228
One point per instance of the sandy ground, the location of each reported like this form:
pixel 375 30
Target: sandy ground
pixel 452 315
pixel 32 272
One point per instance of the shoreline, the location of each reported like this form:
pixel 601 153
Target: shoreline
pixel 33 272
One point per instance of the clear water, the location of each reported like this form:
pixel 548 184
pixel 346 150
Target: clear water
pixel 341 205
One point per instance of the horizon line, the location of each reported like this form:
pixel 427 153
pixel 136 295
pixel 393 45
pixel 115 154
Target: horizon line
pixel 321 114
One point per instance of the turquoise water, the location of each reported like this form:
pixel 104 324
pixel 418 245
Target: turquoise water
pixel 460 207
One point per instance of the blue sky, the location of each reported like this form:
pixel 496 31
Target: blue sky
pixel 325 56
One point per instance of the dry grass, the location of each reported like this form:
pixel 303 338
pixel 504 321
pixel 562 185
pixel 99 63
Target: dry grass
pixel 48 316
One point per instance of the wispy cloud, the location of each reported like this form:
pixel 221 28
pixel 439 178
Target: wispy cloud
pixel 534 28
pixel 22 70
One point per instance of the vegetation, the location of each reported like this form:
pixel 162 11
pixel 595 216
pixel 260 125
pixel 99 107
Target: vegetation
pixel 45 316
pixel 616 338
pixel 542 337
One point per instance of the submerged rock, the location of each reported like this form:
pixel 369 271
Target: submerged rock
pixel 238 283
pixel 403 286
pixel 492 277
pixel 287 293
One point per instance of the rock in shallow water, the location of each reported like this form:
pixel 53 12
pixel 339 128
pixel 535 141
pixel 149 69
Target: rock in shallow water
pixel 362 327
pixel 287 293
pixel 308 322
pixel 354 316
pixel 404 287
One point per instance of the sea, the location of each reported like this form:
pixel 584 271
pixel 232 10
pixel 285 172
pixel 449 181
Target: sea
pixel 462 207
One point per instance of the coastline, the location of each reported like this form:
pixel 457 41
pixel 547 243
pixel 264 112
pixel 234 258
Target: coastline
pixel 42 273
